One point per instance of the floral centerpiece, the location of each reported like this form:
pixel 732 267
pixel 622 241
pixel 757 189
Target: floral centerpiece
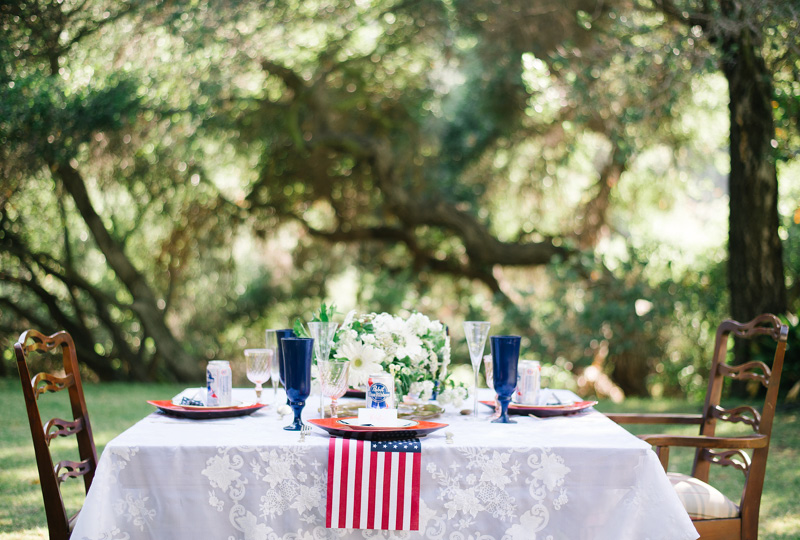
pixel 415 350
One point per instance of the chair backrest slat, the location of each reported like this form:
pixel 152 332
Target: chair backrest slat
pixel 45 382
pixel 744 414
pixel 728 458
pixel 64 428
pixel 50 476
pixel 746 372
pixel 74 469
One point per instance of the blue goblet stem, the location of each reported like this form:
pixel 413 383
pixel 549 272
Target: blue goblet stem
pixel 503 417
pixel 297 423
pixel 297 354
pixel 505 356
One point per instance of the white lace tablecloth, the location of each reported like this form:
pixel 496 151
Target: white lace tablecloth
pixel 578 477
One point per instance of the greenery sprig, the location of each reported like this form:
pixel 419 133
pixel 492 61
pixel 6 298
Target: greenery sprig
pixel 325 314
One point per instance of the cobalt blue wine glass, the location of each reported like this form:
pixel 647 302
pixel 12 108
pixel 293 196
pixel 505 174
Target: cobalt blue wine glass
pixel 275 337
pixel 297 355
pixel 505 356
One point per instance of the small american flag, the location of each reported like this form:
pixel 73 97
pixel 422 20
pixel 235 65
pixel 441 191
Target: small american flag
pixel 373 484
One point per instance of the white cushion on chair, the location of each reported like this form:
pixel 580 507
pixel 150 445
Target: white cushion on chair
pixel 701 500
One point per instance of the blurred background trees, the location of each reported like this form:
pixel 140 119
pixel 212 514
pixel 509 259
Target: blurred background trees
pixel 178 176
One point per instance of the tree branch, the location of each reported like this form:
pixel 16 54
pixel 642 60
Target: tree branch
pixel 145 302
pixel 668 7
pixel 80 334
pixel 483 248
pixel 595 210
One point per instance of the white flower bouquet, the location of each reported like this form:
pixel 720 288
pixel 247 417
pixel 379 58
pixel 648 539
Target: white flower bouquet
pixel 416 351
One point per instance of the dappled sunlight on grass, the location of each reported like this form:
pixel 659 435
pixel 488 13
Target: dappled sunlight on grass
pixel 786 527
pixel 23 474
pixel 37 533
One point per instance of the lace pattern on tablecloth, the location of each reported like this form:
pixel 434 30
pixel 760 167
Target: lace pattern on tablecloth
pixel 471 490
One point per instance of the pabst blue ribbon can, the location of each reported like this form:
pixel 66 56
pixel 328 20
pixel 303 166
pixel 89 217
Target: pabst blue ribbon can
pixel 219 383
pixel 528 382
pixel 380 393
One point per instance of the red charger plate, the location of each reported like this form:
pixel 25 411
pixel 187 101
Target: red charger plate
pixel 546 410
pixel 334 427
pixel 199 413
pixel 355 393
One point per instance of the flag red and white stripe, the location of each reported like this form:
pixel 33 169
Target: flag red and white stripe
pixel 373 484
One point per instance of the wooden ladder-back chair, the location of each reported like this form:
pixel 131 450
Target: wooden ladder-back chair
pixel 714 516
pixel 51 476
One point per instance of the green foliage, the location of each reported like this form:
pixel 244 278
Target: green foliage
pixel 45 122
pixel 299 329
pixel 231 152
pixel 324 314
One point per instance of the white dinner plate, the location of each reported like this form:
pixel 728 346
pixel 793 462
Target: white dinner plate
pixel 399 423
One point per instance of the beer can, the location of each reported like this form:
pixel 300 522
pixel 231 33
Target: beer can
pixel 219 383
pixel 380 392
pixel 528 382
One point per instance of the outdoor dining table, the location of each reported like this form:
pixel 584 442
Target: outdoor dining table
pixel 575 477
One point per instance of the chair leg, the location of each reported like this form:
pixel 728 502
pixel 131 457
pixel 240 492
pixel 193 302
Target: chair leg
pixel 663 456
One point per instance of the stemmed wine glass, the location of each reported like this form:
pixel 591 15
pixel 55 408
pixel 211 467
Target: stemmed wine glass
pixel 476 332
pixel 505 356
pixel 333 378
pixel 488 370
pixel 273 340
pixel 297 353
pixel 259 367
pixel 323 333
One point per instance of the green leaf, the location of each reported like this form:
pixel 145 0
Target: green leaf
pixel 299 329
pixel 325 313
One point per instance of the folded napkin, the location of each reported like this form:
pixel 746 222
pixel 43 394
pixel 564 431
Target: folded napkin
pixel 191 396
pixel 373 484
pixel 548 397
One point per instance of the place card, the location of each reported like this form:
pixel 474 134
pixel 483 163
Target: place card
pixel 378 417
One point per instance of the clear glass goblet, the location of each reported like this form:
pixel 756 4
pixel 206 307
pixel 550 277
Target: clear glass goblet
pixel 259 367
pixel 476 333
pixel 275 367
pixel 333 378
pixel 323 333
pixel 488 371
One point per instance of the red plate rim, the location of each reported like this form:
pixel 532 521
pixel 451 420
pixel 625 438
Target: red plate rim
pixel 333 423
pixel 167 404
pixel 576 405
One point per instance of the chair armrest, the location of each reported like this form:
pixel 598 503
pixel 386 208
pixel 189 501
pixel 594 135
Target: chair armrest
pixel 663 443
pixel 655 418
pixel 699 441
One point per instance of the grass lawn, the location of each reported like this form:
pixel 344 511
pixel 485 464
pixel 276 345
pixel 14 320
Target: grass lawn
pixel 115 407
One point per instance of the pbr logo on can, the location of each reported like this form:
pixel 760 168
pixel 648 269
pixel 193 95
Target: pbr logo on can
pixel 379 395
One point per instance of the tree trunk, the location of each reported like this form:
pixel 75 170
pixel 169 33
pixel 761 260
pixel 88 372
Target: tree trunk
pixel 145 303
pixel 755 255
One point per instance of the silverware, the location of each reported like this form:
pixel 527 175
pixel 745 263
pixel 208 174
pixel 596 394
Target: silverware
pixel 448 435
pixel 305 430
